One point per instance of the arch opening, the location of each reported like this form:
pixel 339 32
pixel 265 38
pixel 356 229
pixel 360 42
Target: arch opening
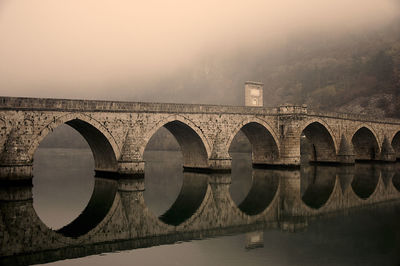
pixel 241 173
pixel 103 153
pixel 317 145
pixel 316 185
pixel 252 189
pixel 264 148
pixel 262 192
pixel 396 145
pixel 64 162
pixel 63 166
pixel 365 145
pixel 365 180
pixel 170 193
pixel 194 153
pixel 163 171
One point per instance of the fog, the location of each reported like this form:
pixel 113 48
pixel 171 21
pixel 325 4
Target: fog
pixel 150 50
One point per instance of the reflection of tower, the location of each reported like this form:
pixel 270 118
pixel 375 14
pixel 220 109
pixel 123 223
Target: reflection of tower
pixel 253 93
pixel 255 240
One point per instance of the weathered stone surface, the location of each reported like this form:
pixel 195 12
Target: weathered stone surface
pixel 118 133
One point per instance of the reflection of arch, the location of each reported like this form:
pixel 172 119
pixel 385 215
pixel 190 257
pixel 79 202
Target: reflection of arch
pixel 316 185
pixel 396 181
pixel 396 144
pixel 365 144
pixel 191 196
pixel 104 148
pixel 262 192
pixel 365 180
pixel 98 207
pixel 264 142
pixel 195 148
pixel 319 142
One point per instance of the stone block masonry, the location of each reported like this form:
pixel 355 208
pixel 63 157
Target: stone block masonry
pixel 118 133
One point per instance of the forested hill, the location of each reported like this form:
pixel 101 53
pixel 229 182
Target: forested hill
pixel 332 71
pixel 358 73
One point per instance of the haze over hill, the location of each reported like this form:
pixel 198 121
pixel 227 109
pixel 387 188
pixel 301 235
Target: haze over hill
pixel 344 72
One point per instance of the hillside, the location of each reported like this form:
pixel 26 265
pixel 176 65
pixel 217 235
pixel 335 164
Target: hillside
pixel 332 71
pixel 359 74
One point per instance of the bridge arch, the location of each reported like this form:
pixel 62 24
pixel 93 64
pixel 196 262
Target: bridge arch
pixel 194 145
pixel 263 139
pixel 318 141
pixel 365 181
pixel 365 143
pixel 103 145
pixel 396 144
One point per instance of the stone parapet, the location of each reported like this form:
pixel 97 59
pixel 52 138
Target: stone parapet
pixel 14 103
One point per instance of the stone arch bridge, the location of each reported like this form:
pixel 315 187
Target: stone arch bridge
pixel 118 133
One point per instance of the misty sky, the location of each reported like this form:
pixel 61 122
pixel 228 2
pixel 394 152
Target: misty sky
pixel 110 49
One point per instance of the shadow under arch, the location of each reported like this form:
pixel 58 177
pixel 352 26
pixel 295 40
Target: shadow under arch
pixel 317 144
pixel 264 143
pixel 365 145
pixel 191 196
pixel 97 209
pixel 396 145
pixel 365 181
pixel 193 148
pixel 396 181
pixel 262 192
pixel 104 149
pixel 316 185
pixel 396 177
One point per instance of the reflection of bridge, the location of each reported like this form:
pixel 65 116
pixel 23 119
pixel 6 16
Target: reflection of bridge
pixel 117 218
pixel 118 133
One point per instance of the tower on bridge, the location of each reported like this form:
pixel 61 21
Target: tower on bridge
pixel 253 93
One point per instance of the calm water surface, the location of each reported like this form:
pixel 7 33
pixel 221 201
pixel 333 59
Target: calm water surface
pixel 366 236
